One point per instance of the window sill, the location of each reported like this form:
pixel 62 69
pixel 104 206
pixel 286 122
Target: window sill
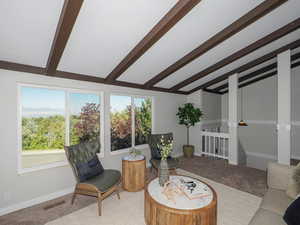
pixel 127 150
pixel 42 167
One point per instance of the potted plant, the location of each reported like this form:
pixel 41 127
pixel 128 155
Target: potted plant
pixel 188 116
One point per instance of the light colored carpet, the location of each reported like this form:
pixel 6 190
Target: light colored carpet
pixel 234 208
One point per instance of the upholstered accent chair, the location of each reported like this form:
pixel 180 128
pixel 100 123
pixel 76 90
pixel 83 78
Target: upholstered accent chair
pixel 100 185
pixel 154 140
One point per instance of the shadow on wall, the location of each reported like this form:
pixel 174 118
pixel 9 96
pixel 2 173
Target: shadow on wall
pixel 242 155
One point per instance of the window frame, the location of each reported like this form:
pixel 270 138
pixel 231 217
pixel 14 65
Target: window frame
pixel 132 96
pixel 67 92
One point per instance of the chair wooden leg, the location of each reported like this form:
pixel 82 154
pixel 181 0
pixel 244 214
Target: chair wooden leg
pixel 99 199
pixel 118 191
pixel 73 197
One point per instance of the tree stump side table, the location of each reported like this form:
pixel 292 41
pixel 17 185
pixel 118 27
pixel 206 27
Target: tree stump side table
pixel 159 210
pixel 133 173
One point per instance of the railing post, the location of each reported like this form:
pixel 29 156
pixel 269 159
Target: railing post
pixel 284 107
pixel 233 119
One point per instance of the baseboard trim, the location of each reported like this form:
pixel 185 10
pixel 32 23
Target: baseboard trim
pixel 35 201
pixel 265 122
pixel 268 156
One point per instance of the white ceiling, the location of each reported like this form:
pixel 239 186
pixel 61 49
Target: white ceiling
pixel 195 28
pixel 105 32
pixel 269 23
pixel 27 29
pixel 245 73
pixel 252 56
pixel 256 68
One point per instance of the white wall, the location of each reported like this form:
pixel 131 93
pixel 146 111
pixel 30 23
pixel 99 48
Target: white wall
pixel 259 139
pixel 22 190
pixel 210 104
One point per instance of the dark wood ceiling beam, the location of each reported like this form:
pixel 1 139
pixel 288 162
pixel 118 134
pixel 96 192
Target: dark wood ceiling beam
pixel 271 74
pixel 21 67
pixel 249 65
pixel 250 75
pixel 181 8
pixel 212 91
pixel 64 28
pixel 241 53
pixel 75 76
pixel 250 17
pixel 257 72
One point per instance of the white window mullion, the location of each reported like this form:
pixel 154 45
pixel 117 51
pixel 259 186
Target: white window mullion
pixel 67 119
pixel 132 122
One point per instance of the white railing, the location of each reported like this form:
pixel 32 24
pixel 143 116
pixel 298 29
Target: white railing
pixel 215 144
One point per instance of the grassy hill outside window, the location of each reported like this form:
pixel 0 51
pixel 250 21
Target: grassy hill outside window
pixel 52 117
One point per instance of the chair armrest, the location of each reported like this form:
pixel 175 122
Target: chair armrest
pixel 279 176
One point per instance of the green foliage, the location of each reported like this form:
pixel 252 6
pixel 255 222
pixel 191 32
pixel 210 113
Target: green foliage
pixel 87 127
pixel 166 147
pixel 46 133
pixel 43 133
pixel 143 122
pixel 189 115
pixel 121 126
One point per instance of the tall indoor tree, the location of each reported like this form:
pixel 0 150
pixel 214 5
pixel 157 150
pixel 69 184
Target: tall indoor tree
pixel 188 116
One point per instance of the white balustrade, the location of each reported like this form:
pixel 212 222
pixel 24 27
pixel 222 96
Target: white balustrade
pixel 214 143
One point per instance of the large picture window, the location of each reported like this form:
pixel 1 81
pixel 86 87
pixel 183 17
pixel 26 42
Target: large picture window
pixel 131 121
pixel 52 118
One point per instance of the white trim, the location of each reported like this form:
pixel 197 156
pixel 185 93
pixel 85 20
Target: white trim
pixel 215 134
pixel 132 102
pixel 67 91
pixel 35 201
pixel 133 122
pixel 295 157
pixel 295 123
pixel 42 167
pixel 207 122
pixel 262 155
pixel 127 150
pixel 120 151
pixel 267 122
pixel 268 156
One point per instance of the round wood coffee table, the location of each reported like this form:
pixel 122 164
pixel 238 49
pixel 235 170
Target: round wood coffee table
pixel 159 210
pixel 133 173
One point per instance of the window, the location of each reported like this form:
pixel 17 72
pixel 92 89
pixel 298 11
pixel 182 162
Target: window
pixel 131 121
pixel 84 117
pixel 52 118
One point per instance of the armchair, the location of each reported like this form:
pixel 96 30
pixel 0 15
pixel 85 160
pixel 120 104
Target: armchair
pixel 100 185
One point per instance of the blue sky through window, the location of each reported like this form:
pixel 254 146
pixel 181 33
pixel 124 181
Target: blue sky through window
pixel 47 102
pixel 119 103
pixel 78 100
pixel 42 102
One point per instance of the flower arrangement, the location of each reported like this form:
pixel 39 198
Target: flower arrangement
pixel 166 147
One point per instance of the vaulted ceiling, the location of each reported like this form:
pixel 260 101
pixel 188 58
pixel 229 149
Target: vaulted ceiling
pixel 170 45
